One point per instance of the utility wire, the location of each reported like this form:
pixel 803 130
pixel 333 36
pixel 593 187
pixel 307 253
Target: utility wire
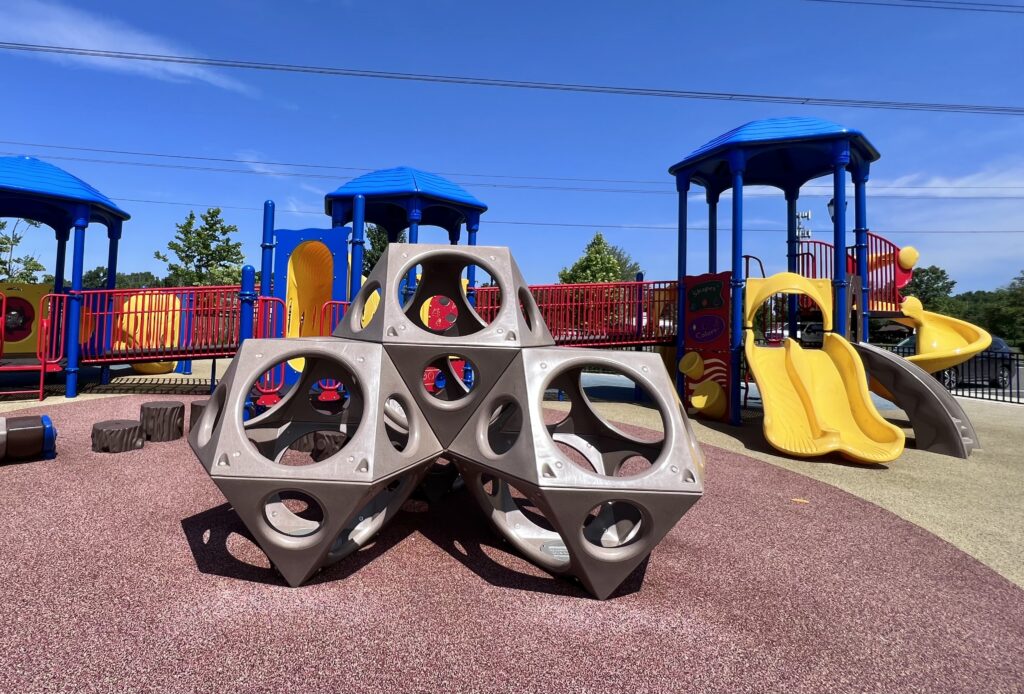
pixel 507 186
pixel 574 225
pixel 519 84
pixel 935 5
pixel 665 183
pixel 357 169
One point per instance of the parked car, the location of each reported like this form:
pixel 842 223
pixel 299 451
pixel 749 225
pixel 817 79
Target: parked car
pixel 996 366
pixel 812 335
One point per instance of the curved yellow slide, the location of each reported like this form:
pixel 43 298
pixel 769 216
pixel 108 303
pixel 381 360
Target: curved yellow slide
pixel 815 401
pixel 309 286
pixel 942 341
pixel 149 318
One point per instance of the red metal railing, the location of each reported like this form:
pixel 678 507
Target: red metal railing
pixel 607 313
pixel 270 317
pixel 173 323
pixel 330 315
pixel 815 259
pixel 883 274
pixel 49 344
pixel 885 277
pixel 134 325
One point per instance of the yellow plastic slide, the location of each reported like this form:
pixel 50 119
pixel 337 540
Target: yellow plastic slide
pixel 309 286
pixel 942 341
pixel 148 319
pixel 815 401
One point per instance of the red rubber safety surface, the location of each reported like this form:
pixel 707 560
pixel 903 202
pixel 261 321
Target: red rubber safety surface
pixel 128 572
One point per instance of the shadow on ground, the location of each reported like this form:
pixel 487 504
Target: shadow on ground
pixel 751 435
pixel 443 522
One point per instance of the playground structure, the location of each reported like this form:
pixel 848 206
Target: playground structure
pixel 716 311
pixel 308 276
pixel 815 401
pixel 568 496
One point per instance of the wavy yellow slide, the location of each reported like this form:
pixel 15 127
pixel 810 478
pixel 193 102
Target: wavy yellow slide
pixel 816 401
pixel 942 341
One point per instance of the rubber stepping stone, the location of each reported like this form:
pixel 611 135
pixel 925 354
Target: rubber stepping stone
pixel 117 436
pixel 326 444
pixel 162 420
pixel 303 444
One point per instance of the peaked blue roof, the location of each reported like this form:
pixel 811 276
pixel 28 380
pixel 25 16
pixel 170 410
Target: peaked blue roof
pixel 405 181
pixel 782 152
pixel 34 178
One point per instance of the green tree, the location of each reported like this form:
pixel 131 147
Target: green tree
pixel 597 264
pixel 1013 310
pixel 378 242
pixel 21 268
pixel 933 286
pixel 97 279
pixel 628 268
pixel 205 253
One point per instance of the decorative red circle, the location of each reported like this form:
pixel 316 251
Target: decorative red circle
pixel 18 319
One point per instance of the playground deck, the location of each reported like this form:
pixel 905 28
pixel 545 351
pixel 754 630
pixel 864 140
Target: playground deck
pixel 774 581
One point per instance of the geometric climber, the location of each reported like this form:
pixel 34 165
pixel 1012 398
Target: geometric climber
pixel 578 497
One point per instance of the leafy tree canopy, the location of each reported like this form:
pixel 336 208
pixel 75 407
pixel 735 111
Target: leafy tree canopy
pixel 628 268
pixel 1000 311
pixel 597 264
pixel 205 253
pixel 378 242
pixel 17 268
pixel 97 279
pixel 933 286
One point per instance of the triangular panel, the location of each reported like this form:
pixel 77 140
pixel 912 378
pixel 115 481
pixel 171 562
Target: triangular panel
pixel 449 408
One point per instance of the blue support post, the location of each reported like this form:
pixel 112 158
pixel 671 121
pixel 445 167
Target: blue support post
pixel 62 248
pixel 414 217
pixel 358 233
pixel 713 231
pixel 185 322
pixel 840 158
pixel 683 188
pixel 267 248
pixel 341 265
pixel 75 302
pixel 106 325
pixel 247 303
pixel 860 179
pixel 737 165
pixel 792 301
pixel 472 227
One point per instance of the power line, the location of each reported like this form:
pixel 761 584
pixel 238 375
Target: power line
pixel 935 5
pixel 506 186
pixel 666 182
pixel 356 169
pixel 521 84
pixel 579 225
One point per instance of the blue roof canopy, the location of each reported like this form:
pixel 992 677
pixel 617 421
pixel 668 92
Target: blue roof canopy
pixel 38 190
pixel 392 193
pixel 780 152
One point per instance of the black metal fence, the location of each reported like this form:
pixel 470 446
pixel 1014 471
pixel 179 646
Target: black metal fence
pixel 989 375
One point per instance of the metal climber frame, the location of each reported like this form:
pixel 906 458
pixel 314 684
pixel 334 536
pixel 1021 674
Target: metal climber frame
pixel 567 495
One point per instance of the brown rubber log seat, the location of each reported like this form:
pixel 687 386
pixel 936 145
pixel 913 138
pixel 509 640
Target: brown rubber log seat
pixel 162 420
pixel 326 444
pixel 303 444
pixel 117 436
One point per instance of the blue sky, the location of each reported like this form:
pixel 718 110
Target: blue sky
pixel 787 47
